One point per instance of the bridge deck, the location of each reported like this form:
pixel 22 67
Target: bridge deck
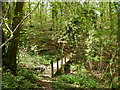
pixel 47 72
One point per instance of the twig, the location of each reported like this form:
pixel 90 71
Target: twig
pixel 9 29
pixel 18 26
pixel 5 14
pixel 24 18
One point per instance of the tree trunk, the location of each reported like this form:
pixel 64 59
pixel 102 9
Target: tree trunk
pixel 0 38
pixel 10 56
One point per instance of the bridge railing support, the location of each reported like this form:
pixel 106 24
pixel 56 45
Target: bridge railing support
pixel 57 66
pixel 52 69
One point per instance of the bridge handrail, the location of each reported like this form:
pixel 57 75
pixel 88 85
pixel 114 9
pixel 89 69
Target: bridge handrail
pixel 68 56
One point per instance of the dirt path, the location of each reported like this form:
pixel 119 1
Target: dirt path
pixel 48 73
pixel 45 83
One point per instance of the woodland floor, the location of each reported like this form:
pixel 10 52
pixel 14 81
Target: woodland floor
pixel 45 83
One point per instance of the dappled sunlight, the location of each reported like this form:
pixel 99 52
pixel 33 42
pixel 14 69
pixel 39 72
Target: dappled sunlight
pixel 60 45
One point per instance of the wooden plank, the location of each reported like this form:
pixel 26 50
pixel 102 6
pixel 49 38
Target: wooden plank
pixel 54 67
pixel 59 63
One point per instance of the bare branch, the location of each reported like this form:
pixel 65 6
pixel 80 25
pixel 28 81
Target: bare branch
pixel 9 29
pixel 25 17
pixel 18 26
pixel 6 42
pixel 5 15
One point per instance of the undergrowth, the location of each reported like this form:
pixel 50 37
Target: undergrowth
pixel 27 75
pixel 24 59
pixel 24 79
pixel 80 79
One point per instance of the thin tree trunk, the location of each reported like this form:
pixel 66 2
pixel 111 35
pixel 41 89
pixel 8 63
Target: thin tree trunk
pixel 30 11
pixel 0 38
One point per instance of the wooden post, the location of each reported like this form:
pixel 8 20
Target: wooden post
pixel 67 68
pixel 57 66
pixel 52 69
pixel 62 56
pixel 65 59
pixel 61 62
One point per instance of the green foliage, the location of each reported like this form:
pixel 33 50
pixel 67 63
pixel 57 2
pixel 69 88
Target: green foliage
pixel 35 60
pixel 114 83
pixel 24 79
pixel 28 74
pixel 81 80
pixel 90 31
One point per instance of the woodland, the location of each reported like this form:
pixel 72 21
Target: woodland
pixel 36 35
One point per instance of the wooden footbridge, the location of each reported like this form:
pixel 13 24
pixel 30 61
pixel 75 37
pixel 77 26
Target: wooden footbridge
pixel 54 68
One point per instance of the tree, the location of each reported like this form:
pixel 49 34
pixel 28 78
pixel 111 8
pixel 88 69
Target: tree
pixel 10 56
